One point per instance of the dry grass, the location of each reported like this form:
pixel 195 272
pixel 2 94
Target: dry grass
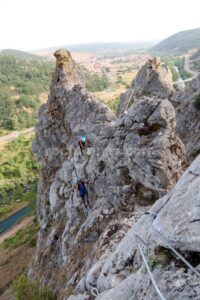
pixel 43 97
pixel 13 263
pixel 2 146
pixel 110 94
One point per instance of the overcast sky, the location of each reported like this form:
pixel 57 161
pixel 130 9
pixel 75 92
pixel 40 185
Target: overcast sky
pixel 33 24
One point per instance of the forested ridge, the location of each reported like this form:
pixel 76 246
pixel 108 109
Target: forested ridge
pixel 21 83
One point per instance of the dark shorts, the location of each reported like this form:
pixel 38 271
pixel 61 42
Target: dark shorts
pixel 82 194
pixel 83 143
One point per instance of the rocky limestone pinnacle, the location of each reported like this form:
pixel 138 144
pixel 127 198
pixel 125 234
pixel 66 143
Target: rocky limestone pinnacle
pixel 153 79
pixel 63 57
pixel 67 72
pixel 133 161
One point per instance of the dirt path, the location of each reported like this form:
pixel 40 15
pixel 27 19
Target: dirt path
pixel 15 134
pixel 14 229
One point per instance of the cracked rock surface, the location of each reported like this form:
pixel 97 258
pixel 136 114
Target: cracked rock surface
pixel 133 161
pixel 153 79
pixel 188 117
pixel 176 218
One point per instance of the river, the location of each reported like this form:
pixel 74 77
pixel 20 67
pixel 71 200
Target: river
pixel 180 81
pixel 13 219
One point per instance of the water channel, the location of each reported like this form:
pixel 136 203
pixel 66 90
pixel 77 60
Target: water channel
pixel 13 219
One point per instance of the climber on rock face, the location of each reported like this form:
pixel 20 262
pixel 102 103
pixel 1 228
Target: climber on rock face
pixel 82 192
pixel 83 142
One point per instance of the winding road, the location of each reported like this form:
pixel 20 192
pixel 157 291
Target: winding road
pixel 188 69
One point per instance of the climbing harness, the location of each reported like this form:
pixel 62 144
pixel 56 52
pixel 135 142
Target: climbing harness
pixel 95 292
pixel 148 268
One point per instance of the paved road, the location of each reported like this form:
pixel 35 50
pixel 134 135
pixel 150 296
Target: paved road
pixel 15 134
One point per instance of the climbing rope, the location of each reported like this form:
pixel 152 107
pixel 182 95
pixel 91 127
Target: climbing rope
pixel 148 268
pixel 95 292
pixel 177 253
pixel 76 172
pixel 129 100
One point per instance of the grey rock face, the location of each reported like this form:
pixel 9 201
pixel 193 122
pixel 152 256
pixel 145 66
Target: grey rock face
pixel 133 161
pixel 176 218
pixel 153 79
pixel 173 282
pixel 179 222
pixel 188 118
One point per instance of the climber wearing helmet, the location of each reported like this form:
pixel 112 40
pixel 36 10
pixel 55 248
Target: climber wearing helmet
pixel 83 142
pixel 82 192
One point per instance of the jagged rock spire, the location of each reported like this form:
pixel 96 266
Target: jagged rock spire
pixel 132 162
pixel 153 79
pixel 67 72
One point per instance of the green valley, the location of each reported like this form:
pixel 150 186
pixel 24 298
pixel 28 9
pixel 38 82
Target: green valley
pixel 18 175
pixel 22 82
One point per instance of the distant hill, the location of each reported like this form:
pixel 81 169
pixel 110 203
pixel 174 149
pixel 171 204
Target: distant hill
pixel 20 54
pixel 103 47
pixel 180 42
pixel 96 47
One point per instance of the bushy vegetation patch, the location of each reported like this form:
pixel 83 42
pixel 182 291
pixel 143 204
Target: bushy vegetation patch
pixel 180 64
pixel 113 104
pixel 21 83
pixel 96 83
pixel 25 289
pixel 172 61
pixel 5 209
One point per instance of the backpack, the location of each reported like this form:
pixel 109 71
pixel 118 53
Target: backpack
pixel 82 189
